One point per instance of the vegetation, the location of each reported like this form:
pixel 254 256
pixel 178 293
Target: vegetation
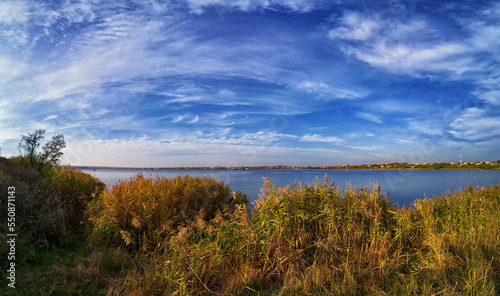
pixel 193 236
pixel 50 227
pixel 325 240
pixel 51 204
pixel 484 165
pixel 49 154
pixel 143 214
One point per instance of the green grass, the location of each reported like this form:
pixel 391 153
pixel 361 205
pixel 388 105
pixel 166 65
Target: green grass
pixel 193 236
pixel 69 269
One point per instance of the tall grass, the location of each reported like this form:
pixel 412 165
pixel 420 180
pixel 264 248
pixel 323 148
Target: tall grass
pixel 321 239
pixel 142 214
pixel 461 239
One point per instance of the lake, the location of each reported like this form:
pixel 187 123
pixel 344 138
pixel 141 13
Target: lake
pixel 401 186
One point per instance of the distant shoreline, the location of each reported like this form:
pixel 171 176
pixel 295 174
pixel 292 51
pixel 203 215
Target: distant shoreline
pixel 485 165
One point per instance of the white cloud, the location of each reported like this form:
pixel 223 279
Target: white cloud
pixel 13 12
pixel 485 29
pixel 14 16
pixel 266 137
pixel 50 117
pixel 320 138
pixel 414 59
pixel 404 141
pixel 330 92
pixel 421 46
pixel 492 96
pixel 400 106
pixel 195 119
pixel 355 26
pixel 177 119
pixel 400 46
pixel 197 6
pixel 124 46
pixel 10 69
pixel 429 127
pixel 193 94
pixel 186 149
pixel 361 148
pixel 369 117
pixel 475 124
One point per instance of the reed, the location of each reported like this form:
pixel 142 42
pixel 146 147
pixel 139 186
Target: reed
pixel 142 214
pixel 321 239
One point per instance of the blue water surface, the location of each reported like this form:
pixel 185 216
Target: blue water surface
pixel 401 186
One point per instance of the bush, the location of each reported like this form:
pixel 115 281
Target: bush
pixel 49 205
pixel 142 214
pixel 72 190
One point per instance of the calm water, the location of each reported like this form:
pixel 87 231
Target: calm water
pixel 402 187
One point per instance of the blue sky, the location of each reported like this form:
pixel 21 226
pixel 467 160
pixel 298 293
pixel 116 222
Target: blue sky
pixel 253 82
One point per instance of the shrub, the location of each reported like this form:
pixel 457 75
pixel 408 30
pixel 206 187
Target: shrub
pixel 142 214
pixel 72 190
pixel 49 205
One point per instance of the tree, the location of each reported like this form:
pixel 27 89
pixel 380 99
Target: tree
pixel 439 165
pixel 49 154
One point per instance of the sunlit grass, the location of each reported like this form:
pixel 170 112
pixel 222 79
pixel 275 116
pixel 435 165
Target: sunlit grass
pixel 321 239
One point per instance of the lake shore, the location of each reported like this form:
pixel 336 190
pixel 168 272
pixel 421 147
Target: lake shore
pixel 483 165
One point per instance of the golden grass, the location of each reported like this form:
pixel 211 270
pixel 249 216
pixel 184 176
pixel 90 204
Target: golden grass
pixel 321 239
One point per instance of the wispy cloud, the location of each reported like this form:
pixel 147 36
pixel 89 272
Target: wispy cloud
pixel 320 138
pixel 426 126
pixel 50 117
pixel 177 118
pixel 355 26
pixel 198 6
pixel 13 16
pixel 369 117
pixel 406 46
pixel 361 148
pixel 12 12
pixel 329 92
pixel 194 120
pixel 176 149
pixel 490 96
pixel 404 141
pixel 475 124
